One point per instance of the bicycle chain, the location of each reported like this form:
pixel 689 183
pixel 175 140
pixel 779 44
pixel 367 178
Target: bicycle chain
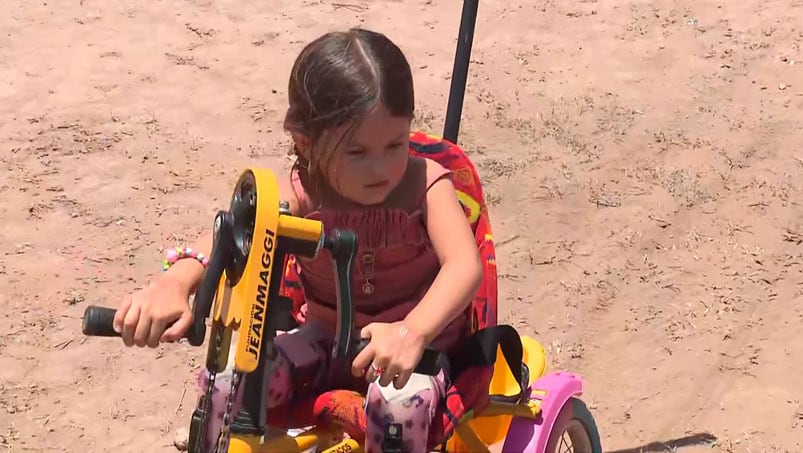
pixel 206 400
pixel 224 434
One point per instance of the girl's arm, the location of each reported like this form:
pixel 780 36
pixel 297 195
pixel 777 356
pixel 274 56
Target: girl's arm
pixel 461 269
pixel 189 272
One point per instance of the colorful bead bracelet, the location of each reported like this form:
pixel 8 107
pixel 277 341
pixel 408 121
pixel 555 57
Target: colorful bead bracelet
pixel 175 254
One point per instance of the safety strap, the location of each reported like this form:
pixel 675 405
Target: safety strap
pixel 480 351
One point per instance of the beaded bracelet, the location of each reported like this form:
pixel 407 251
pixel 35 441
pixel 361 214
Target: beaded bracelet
pixel 173 255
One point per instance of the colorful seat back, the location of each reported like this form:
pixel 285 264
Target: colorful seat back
pixel 469 191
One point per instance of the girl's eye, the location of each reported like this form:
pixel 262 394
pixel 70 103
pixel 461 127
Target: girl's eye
pixel 355 152
pixel 397 147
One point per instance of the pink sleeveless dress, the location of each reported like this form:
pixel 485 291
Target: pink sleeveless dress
pixel 395 263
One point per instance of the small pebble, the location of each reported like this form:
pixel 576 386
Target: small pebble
pixel 182 439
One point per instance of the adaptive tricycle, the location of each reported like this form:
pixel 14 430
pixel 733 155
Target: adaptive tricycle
pixel 250 292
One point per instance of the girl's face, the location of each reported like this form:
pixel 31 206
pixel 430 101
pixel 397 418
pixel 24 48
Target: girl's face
pixel 369 166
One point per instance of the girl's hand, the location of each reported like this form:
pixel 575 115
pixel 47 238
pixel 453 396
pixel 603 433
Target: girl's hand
pixel 144 316
pixel 392 355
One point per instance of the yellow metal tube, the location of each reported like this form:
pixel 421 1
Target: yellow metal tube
pixel 300 228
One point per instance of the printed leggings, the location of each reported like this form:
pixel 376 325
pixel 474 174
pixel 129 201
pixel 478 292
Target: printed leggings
pixel 304 369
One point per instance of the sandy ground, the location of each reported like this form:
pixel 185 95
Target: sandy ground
pixel 643 161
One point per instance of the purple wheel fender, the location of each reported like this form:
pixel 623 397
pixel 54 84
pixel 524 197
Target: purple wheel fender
pixel 553 390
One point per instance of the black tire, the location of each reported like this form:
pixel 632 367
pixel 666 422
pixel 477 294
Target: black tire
pixel 575 422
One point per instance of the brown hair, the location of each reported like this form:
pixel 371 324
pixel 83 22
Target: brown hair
pixel 336 81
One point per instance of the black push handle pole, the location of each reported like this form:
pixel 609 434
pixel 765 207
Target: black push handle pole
pixel 462 57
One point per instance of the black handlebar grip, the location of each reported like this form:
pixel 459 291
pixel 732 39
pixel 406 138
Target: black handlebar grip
pixel 98 322
pixel 429 364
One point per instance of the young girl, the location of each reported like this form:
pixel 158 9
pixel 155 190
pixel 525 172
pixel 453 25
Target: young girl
pixel 351 104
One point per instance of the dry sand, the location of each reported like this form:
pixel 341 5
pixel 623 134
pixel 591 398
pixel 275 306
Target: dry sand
pixel 642 160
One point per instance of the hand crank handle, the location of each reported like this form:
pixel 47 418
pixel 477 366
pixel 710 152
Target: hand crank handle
pixel 342 245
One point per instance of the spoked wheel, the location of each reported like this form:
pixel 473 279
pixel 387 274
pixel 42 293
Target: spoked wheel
pixel 574 431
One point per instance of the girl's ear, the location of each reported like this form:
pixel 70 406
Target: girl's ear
pixel 302 143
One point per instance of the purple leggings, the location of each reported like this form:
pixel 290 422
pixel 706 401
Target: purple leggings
pixel 304 368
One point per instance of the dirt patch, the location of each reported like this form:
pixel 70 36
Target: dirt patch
pixel 642 161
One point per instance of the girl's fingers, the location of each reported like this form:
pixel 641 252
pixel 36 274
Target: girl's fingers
pixel 389 373
pixel 375 371
pixel 401 379
pixel 366 331
pixel 157 328
pixel 178 328
pixel 119 315
pixel 143 328
pixel 130 324
pixel 363 360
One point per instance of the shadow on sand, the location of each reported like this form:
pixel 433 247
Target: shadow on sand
pixel 671 445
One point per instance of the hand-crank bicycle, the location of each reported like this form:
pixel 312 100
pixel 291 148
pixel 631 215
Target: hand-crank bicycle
pixel 240 295
pixel 240 300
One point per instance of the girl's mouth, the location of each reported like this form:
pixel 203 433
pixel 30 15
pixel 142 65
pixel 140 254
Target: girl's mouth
pixel 376 185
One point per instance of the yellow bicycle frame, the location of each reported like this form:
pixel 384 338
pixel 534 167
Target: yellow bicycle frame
pixel 243 307
pixel 308 441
